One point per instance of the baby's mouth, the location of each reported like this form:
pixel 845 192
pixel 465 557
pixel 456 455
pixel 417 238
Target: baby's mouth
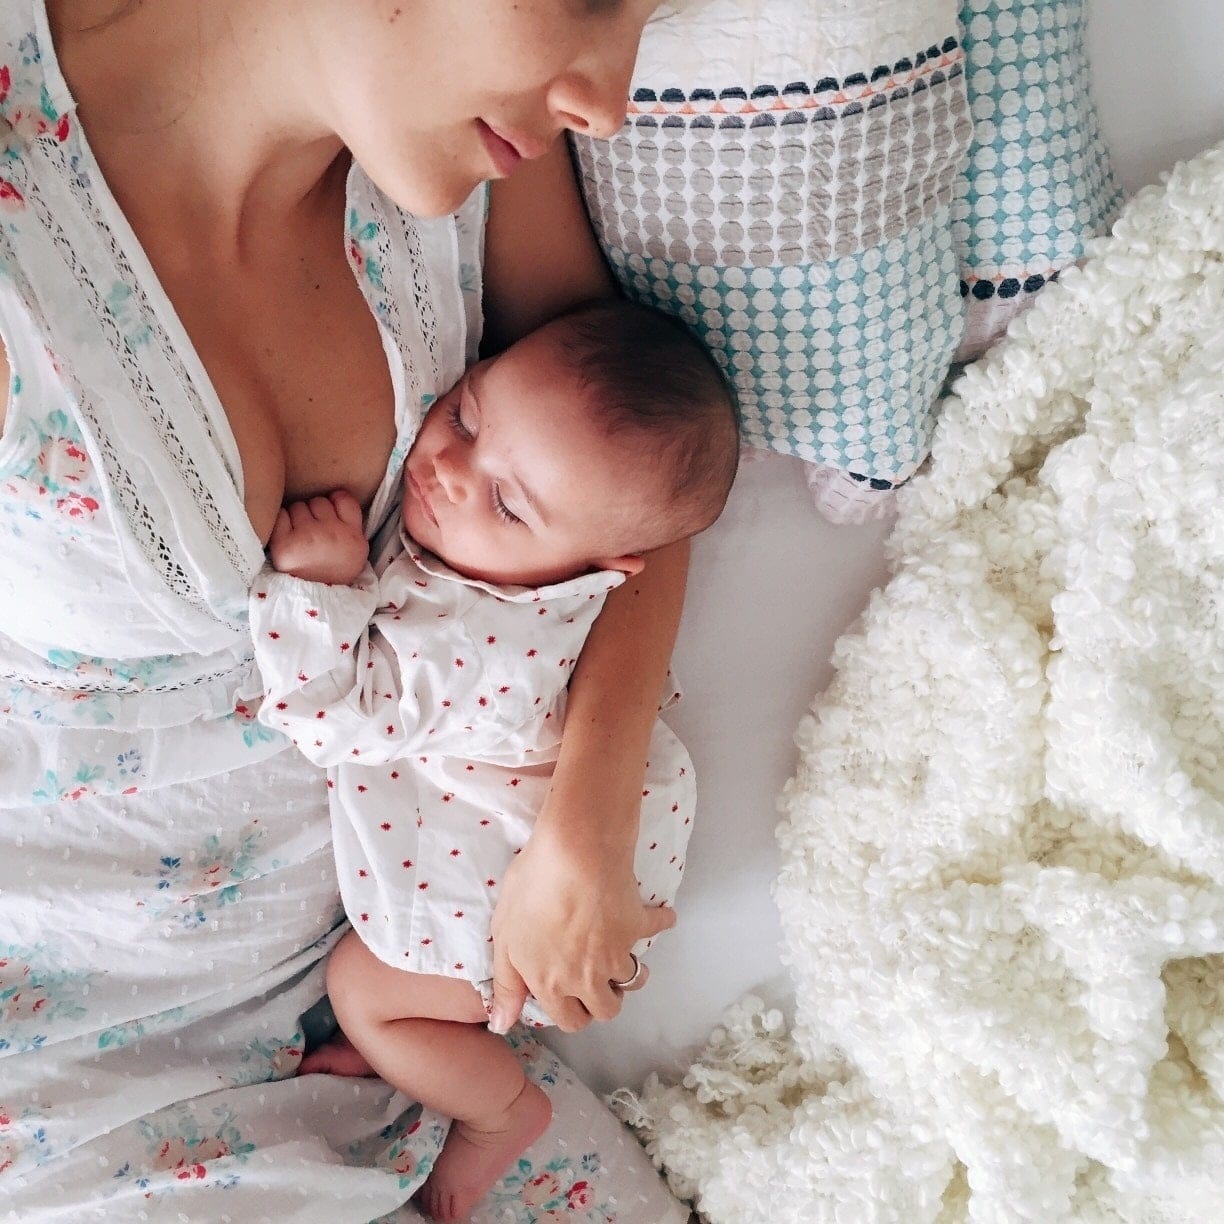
pixel 423 498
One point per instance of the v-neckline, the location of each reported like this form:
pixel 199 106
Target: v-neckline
pixel 150 283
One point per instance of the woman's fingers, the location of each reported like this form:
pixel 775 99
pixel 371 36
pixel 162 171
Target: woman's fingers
pixel 569 1014
pixel 656 918
pixel 509 992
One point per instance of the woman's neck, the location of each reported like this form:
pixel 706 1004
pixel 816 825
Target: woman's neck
pixel 204 106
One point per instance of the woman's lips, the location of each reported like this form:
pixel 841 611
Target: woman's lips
pixel 505 155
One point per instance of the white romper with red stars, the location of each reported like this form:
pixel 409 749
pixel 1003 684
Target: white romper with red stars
pixel 437 702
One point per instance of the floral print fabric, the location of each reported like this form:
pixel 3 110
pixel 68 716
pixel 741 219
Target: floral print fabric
pixel 167 884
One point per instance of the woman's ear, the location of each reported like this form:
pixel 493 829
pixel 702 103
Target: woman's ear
pixel 629 564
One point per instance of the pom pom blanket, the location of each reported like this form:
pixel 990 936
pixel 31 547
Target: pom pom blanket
pixel 1003 851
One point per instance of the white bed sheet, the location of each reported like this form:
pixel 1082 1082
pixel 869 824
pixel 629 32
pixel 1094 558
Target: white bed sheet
pixel 773 586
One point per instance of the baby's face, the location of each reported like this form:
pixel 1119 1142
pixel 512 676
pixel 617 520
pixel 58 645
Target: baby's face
pixel 511 479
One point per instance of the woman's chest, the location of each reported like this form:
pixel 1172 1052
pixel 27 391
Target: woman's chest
pixel 297 361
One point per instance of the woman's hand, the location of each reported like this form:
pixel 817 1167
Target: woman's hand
pixel 562 930
pixel 320 540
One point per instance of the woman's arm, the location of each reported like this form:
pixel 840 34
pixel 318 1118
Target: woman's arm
pixel 540 253
pixel 569 909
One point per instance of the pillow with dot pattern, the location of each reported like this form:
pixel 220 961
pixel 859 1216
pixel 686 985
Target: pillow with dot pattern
pixel 1038 182
pixel 784 183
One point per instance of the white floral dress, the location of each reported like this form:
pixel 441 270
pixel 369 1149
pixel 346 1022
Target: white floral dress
pixel 167 884
pixel 437 702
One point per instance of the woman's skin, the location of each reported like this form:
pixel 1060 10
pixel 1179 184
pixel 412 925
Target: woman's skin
pixel 221 128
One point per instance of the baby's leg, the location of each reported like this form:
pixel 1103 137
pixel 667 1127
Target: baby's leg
pixel 426 1036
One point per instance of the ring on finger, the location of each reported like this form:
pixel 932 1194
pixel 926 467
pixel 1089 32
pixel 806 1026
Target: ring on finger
pixel 634 978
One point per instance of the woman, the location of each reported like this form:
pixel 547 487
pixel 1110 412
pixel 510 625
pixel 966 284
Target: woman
pixel 188 346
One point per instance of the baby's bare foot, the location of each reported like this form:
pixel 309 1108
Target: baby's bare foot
pixel 472 1160
pixel 339 1056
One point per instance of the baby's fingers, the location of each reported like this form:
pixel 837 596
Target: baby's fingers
pixel 280 528
pixel 321 509
pixel 347 508
pixel 299 514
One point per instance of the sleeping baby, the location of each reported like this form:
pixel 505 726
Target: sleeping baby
pixel 433 685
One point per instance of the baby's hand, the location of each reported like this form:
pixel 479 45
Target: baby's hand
pixel 320 540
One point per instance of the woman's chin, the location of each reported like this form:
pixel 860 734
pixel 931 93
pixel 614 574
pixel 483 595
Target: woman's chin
pixel 427 196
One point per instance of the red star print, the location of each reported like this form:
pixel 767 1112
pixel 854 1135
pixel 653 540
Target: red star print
pixel 531 654
pixel 423 885
pixel 482 702
pixel 261 594
pixel 458 662
pixel 454 854
pixel 426 941
pixel 394 774
pixel 675 807
pixel 273 635
pixel 282 705
pixel 514 781
pixel 385 826
pixel 365 917
pixel 490 639
pixel 312 612
pixel 321 714
pixel 490 883
pixel 355 752
pixel 446 703
pixel 458 913
pixel 483 823
pixel 390 729
pixel 344 646
pixel 330 784
pixel 469 768
pixel 407 863
pixel 458 964
pixel 362 873
pixel 505 688
pixel 361 790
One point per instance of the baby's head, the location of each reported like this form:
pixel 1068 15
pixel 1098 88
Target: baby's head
pixel 606 433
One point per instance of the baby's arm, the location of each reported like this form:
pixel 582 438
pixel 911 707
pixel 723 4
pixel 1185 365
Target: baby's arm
pixel 328 685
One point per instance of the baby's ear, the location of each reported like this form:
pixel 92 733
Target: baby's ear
pixel 629 564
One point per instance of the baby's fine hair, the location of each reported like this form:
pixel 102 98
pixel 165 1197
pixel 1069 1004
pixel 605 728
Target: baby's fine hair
pixel 647 372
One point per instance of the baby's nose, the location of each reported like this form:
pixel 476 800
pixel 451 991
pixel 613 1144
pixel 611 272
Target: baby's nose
pixel 450 478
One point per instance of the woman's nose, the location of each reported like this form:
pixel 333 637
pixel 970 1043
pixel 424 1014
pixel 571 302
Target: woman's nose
pixel 593 100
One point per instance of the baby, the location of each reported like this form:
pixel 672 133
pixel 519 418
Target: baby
pixel 434 684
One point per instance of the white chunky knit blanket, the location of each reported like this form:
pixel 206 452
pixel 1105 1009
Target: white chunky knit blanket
pixel 1003 881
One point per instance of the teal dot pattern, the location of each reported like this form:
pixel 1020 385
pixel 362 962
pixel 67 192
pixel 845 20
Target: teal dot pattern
pixel 838 362
pixel 1038 180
